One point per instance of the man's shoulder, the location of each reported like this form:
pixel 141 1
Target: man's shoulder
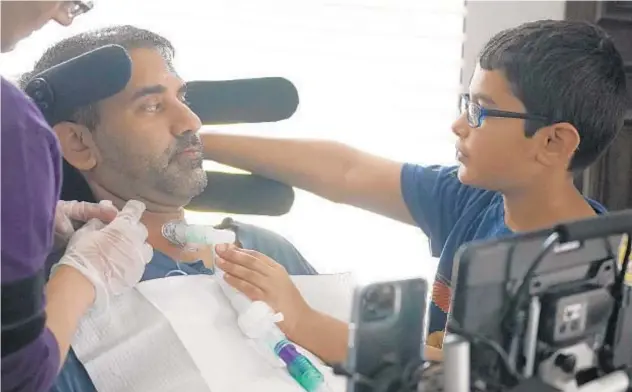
pixel 270 244
pixel 250 232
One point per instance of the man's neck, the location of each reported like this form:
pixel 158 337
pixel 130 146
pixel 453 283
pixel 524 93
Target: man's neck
pixel 154 221
pixel 154 217
pixel 545 205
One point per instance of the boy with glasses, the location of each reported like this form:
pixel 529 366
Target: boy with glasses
pixel 545 101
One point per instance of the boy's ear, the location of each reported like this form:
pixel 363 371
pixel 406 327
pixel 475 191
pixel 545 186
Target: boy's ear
pixel 77 145
pixel 558 143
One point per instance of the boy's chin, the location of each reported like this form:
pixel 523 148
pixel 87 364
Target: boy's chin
pixel 468 176
pixel 465 175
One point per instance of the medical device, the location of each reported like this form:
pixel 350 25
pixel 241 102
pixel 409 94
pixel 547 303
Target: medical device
pixel 255 319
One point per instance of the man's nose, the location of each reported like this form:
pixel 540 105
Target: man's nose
pixel 185 120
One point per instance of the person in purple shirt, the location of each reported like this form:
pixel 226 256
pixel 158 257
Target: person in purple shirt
pixel 99 260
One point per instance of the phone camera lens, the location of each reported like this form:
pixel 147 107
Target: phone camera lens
pixel 378 302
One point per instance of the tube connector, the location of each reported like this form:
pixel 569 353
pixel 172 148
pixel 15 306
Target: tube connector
pixel 180 233
pixel 258 319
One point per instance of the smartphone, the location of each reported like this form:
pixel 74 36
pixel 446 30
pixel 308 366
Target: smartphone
pixel 387 329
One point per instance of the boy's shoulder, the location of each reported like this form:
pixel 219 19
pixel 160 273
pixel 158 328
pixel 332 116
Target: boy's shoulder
pixel 449 212
pixel 483 217
pixel 437 189
pixel 441 180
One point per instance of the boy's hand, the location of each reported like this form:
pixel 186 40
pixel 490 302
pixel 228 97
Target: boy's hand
pixel 433 354
pixel 262 279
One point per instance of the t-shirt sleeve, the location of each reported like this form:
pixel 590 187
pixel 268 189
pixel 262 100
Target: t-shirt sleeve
pixel 30 182
pixel 436 199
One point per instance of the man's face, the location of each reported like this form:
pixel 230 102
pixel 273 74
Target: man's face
pixel 147 141
pixel 496 155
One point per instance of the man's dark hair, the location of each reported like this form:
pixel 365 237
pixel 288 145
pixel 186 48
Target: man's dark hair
pixel 74 185
pixel 566 71
pixel 129 37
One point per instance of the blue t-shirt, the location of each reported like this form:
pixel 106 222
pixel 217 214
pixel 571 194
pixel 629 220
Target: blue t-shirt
pixel 74 377
pixel 451 214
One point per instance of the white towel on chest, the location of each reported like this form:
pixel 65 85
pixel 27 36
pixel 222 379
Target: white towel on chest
pixel 180 334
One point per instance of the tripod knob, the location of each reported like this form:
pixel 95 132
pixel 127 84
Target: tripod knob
pixel 566 362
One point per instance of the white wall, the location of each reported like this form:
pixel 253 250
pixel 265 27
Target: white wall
pixel 486 18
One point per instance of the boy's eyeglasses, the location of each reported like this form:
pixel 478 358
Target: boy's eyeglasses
pixel 76 8
pixel 476 114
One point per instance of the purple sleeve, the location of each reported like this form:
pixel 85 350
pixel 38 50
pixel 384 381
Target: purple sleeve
pixel 34 368
pixel 31 162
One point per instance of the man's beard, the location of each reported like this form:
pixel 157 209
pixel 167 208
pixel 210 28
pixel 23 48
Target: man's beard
pixel 171 173
pixel 179 174
pixel 182 177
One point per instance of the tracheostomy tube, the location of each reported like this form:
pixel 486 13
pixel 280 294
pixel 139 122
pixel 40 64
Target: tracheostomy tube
pixel 255 319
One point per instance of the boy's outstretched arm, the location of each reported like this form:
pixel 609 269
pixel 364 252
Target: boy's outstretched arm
pixel 331 170
pixel 262 279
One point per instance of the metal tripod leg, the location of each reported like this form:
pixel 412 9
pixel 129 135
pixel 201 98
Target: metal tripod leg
pixel 456 364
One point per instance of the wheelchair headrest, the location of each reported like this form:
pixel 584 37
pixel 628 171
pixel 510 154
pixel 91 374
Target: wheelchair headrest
pixel 215 102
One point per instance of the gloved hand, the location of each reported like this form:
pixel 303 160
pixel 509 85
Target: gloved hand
pixel 112 257
pixel 69 212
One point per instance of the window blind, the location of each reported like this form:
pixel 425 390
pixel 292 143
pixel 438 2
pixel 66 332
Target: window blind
pixel 381 75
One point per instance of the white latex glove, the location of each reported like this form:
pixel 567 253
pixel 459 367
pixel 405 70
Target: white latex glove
pixel 69 212
pixel 113 257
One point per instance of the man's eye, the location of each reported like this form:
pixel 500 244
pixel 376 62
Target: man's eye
pixel 184 99
pixel 154 107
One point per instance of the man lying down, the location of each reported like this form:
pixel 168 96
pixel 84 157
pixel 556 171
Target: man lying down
pixel 142 144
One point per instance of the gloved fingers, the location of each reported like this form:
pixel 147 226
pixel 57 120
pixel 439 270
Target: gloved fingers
pixel 143 254
pixel 63 225
pixel 141 231
pixel 92 225
pixel 84 211
pixel 121 230
pixel 126 272
pixel 64 206
pixel 107 203
pixel 147 252
pixel 127 223
pixel 132 211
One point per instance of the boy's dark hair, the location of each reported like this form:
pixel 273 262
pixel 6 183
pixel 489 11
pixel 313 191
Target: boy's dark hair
pixel 129 37
pixel 567 71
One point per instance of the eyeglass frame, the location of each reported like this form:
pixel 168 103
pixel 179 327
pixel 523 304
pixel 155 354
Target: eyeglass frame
pixel 464 99
pixel 76 8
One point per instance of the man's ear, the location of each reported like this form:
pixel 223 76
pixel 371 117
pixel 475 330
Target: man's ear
pixel 558 143
pixel 77 145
